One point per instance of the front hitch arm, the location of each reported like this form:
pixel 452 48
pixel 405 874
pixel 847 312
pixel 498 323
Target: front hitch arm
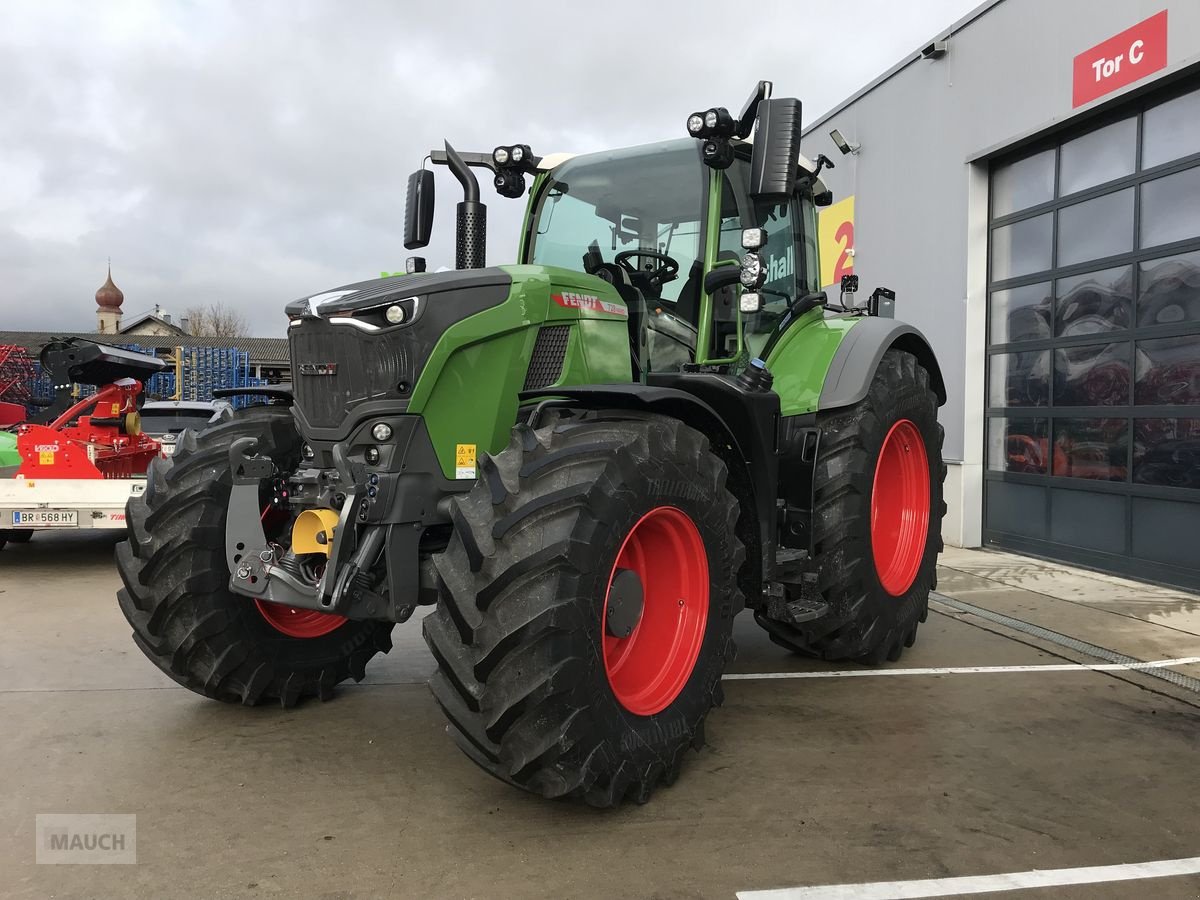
pixel 255 567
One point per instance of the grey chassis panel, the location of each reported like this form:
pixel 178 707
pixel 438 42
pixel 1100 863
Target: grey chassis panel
pixel 854 364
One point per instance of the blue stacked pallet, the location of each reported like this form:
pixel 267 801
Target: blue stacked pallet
pixel 204 370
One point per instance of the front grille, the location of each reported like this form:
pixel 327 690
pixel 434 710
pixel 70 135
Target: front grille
pixel 335 368
pixel 549 352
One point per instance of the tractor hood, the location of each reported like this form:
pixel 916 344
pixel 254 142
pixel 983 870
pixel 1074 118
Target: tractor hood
pixel 353 300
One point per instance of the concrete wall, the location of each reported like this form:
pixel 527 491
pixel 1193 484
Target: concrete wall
pixel 921 191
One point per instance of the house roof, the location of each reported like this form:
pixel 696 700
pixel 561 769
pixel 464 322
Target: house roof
pixel 264 351
pixel 127 327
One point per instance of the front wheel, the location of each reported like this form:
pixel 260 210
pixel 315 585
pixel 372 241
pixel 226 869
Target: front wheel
pixel 877 518
pixel 586 606
pixel 177 598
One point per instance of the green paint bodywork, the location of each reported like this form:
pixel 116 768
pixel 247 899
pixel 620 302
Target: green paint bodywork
pixel 801 357
pixel 468 390
pixel 8 450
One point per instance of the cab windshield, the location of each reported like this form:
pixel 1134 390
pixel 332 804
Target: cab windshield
pixel 625 200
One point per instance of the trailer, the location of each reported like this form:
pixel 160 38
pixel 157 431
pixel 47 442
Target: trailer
pixel 29 505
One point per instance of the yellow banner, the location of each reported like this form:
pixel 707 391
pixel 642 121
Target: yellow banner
pixel 835 228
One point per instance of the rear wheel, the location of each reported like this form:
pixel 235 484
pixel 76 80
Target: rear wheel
pixel 586 609
pixel 177 597
pixel 877 517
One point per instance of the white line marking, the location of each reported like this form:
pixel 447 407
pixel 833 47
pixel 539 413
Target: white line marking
pixel 980 884
pixel 969 670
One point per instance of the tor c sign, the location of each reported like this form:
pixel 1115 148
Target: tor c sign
pixel 1121 60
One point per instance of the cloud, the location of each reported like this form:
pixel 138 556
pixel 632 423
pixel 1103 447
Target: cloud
pixel 253 153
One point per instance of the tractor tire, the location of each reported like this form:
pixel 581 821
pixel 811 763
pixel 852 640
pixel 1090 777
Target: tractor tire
pixel 176 594
pixel 877 517
pixel 556 675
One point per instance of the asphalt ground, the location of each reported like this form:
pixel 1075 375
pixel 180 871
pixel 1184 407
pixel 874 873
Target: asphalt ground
pixel 992 768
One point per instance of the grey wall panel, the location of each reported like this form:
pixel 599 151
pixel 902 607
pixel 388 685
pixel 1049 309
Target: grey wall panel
pixel 1018 509
pixel 1166 531
pixel 1084 519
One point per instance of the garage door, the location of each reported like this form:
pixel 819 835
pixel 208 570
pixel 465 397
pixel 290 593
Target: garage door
pixel 1093 368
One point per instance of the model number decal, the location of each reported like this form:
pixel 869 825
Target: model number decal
pixel 589 301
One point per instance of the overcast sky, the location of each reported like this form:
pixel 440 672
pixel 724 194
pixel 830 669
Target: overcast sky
pixel 256 152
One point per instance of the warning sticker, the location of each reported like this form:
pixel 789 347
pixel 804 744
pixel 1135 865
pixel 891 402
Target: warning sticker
pixel 464 461
pixel 46 458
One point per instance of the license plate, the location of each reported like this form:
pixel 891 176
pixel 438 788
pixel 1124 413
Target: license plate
pixel 168 449
pixel 47 518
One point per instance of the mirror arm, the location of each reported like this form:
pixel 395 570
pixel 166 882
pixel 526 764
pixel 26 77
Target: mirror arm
pixel 721 277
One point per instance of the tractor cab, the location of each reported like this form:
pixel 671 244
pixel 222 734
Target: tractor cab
pixel 656 222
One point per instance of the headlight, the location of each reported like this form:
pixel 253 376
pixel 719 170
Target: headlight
pixel 395 314
pixel 753 238
pixel 518 154
pixel 500 155
pixel 710 119
pixel 382 432
pixel 750 302
pixel 695 123
pixel 752 270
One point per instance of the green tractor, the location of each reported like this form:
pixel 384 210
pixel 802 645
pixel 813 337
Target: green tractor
pixel 587 463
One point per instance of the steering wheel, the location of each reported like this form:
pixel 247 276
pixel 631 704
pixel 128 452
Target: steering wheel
pixel 667 271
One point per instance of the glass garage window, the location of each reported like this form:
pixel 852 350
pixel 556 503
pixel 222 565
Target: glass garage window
pixel 1093 360
pixel 1169 208
pixel 1170 290
pixel 1023 247
pixel 1021 313
pixel 1171 130
pixel 1093 302
pixel 1096 228
pixel 1166 452
pixel 1023 184
pixel 1020 379
pixel 1091 448
pixel 1019 445
pixel 1103 155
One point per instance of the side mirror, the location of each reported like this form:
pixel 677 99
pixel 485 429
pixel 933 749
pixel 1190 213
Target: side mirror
pixel 776 150
pixel 418 209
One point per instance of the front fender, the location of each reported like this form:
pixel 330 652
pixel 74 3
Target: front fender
pixel 858 356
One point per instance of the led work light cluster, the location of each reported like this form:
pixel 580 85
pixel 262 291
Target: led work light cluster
pixel 511 164
pixel 754 270
pixel 715 127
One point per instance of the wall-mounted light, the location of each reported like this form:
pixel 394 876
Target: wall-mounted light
pixel 842 144
pixel 936 50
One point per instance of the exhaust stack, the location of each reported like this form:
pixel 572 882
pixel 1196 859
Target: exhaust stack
pixel 470 239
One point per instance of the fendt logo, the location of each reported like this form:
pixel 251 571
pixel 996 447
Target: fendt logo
pixel 318 368
pixel 589 302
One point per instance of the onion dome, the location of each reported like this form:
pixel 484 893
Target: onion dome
pixel 109 296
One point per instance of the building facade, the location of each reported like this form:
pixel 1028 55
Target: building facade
pixel 1029 185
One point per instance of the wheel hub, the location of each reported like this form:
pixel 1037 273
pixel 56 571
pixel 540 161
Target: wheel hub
pixel 625 603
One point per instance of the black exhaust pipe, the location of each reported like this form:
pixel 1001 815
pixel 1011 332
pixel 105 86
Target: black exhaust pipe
pixel 470 239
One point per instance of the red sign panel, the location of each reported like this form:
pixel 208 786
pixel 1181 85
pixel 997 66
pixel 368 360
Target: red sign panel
pixel 1121 60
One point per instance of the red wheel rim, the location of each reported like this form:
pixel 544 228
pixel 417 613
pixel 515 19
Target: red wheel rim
pixel 900 508
pixel 298 623
pixel 648 669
